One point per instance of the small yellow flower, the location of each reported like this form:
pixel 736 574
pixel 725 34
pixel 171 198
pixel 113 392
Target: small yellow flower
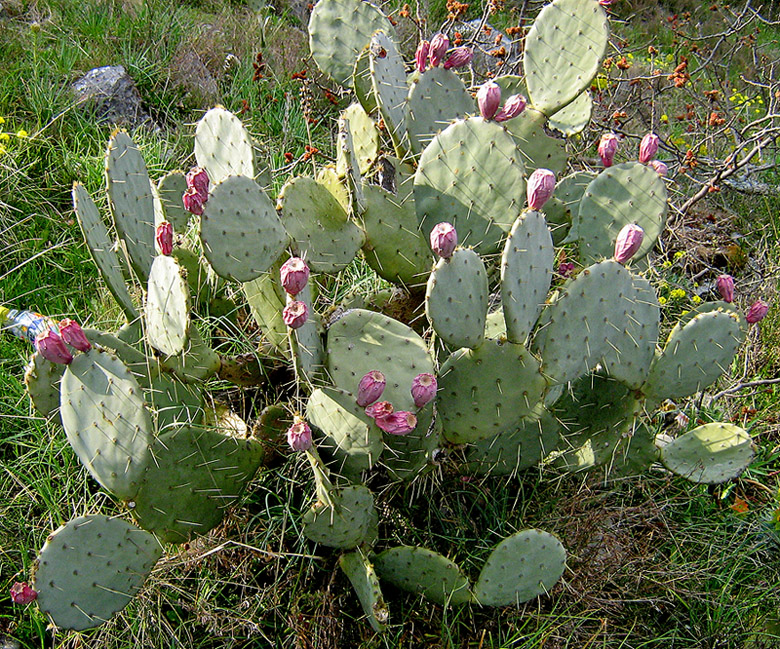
pixel 679 254
pixel 4 137
pixel 696 299
pixel 2 150
pixel 686 312
pixel 662 300
pixel 677 293
pixel 2 121
pixel 665 118
pixel 667 264
pixel 21 133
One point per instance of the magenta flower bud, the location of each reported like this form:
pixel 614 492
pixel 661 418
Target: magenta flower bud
pixel 659 166
pixel 379 409
pixel 648 148
pixel 51 346
pixel 295 275
pixel 72 333
pixel 424 388
pixel 164 238
pixel 444 239
pixel 459 57
pixel 757 311
pixel 512 108
pixel 21 593
pixel 725 285
pixel 193 201
pixel 295 314
pixel 397 423
pixel 629 240
pixel 199 180
pixel 370 388
pixel 488 99
pixel 541 184
pixel 439 45
pixel 299 435
pixel 608 146
pixel 421 55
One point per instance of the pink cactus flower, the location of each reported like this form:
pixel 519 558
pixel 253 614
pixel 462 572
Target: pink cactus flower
pixel 295 275
pixel 421 55
pixel 193 201
pixel 444 239
pixel 541 184
pixel 370 388
pixel 757 312
pixel 725 284
pixel 439 45
pixel 566 269
pixel 488 99
pixel 512 108
pixel 424 388
pixel 51 346
pixel 199 179
pixel 21 593
pixel 629 240
pixel 608 146
pixel 397 423
pixel 379 409
pixel 295 314
pixel 660 168
pixel 299 435
pixel 163 236
pixel 458 58
pixel 648 147
pixel 72 333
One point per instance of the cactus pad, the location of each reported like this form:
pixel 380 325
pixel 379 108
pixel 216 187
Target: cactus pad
pixel 361 575
pixel 223 147
pixel 389 82
pixel 171 188
pixel 573 119
pixel 41 379
pixel 537 149
pixel 266 300
pixel 361 82
pixel 349 522
pixel 365 140
pixel 167 306
pixel 308 341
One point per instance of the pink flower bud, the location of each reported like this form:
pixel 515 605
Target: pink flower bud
pixel 541 184
pixel 421 55
pixel 424 388
pixel 459 57
pixel 444 239
pixel 512 108
pixel 379 409
pixel 648 148
pixel 488 99
pixel 21 593
pixel 397 423
pixel 757 311
pixel 628 242
pixel 164 238
pixel 659 166
pixel 299 435
pixel 607 148
pixel 295 274
pixel 51 346
pixel 725 285
pixel 439 45
pixel 193 202
pixel 295 314
pixel 72 333
pixel 198 179
pixel 566 268
pixel 370 388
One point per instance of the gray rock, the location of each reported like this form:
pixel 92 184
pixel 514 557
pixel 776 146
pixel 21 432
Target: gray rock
pixel 111 96
pixel 190 74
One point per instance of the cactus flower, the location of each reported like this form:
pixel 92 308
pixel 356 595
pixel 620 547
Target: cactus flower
pixel 379 409
pixel 295 275
pixel 628 242
pixel 51 346
pixel 295 314
pixel 72 333
pixel 757 311
pixel 193 201
pixel 648 148
pixel 370 388
pixel 566 268
pixel 512 108
pixel 458 58
pixel 424 388
pixel 659 166
pixel 444 238
pixel 439 45
pixel 488 99
pixel 21 593
pixel 608 146
pixel 397 423
pixel 199 179
pixel 421 55
pixel 541 184
pixel 299 435
pixel 725 285
pixel 163 236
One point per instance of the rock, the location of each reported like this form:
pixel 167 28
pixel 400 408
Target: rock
pixel 190 75
pixel 111 96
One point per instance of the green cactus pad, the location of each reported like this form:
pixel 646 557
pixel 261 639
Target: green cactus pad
pixel 196 363
pixel 626 193
pixel 365 140
pixel 349 522
pixel 171 188
pixel 709 307
pixel 351 438
pixel 573 119
pixel 563 51
pixel 558 218
pixel 241 233
pixel 636 453
pixel 266 300
pixel 471 175
pixel 102 249
pixel 436 98
pixel 223 147
pixel 353 181
pixel 361 575
pixel 422 571
pixel 132 202
pixel 167 306
pixel 390 88
pixel 318 226
pixel 106 421
pixel 361 82
pixel 41 378
pixel 523 566
pixel 486 391
pixel 329 179
pixel 90 568
pixel 709 454
pixel 338 32
pixel 394 246
pixel 694 356
pixel 495 325
pixel 195 475
pixel 174 403
pixel 537 149
pixel 526 274
pixel 308 341
pixel 456 300
pixel 570 190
